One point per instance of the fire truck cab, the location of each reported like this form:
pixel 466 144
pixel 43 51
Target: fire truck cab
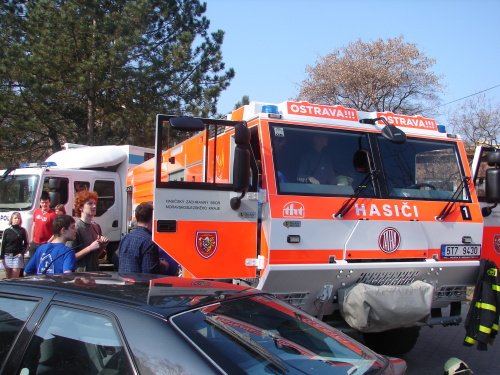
pixel 311 202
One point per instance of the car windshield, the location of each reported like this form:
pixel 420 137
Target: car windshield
pixel 17 192
pixel 261 334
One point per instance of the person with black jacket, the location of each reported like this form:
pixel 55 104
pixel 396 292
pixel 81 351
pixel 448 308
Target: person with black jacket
pixel 481 323
pixel 14 245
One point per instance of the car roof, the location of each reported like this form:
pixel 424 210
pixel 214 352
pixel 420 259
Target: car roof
pixel 162 294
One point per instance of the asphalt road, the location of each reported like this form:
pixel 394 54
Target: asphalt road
pixel 436 345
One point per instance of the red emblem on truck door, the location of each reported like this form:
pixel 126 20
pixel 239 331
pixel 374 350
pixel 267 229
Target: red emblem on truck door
pixel 206 243
pixel 389 240
pixel 496 243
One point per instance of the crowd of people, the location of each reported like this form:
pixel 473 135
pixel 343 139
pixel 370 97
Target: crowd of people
pixel 60 243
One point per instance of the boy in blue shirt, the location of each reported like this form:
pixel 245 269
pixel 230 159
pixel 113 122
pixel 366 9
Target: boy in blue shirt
pixel 55 257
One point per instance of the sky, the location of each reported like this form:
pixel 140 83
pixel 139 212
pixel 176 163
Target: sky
pixel 269 43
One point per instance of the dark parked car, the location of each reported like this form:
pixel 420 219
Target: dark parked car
pixel 120 324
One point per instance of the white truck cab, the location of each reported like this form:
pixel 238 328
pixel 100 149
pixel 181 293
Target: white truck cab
pixel 102 169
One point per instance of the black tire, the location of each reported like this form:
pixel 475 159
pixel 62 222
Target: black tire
pixel 394 342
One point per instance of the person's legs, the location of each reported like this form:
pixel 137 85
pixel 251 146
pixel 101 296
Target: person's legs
pixel 15 272
pixel 13 265
pixel 8 272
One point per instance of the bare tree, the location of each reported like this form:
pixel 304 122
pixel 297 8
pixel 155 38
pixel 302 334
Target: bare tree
pixel 381 76
pixel 477 120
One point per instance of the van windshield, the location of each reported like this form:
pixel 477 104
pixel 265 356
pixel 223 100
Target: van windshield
pixel 17 192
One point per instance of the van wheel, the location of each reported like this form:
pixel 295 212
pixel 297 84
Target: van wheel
pixel 394 342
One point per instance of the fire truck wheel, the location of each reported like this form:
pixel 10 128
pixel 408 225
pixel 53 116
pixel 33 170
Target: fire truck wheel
pixel 394 342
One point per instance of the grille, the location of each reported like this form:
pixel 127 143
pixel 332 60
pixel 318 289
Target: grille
pixel 388 278
pixel 452 292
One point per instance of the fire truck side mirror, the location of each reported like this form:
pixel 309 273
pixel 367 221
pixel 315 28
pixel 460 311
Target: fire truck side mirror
pixel 390 132
pixel 241 166
pixel 492 187
pixel 187 124
pixel 394 134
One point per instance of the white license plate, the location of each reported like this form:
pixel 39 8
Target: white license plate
pixel 460 251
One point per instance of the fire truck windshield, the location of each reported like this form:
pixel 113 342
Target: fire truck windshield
pixel 332 162
pixel 17 192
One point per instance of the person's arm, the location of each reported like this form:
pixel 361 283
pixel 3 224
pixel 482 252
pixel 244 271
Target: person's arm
pixel 32 231
pixel 2 249
pixel 151 259
pixel 87 250
pixel 69 262
pixel 26 242
pixel 80 251
pixel 103 241
pixel 303 174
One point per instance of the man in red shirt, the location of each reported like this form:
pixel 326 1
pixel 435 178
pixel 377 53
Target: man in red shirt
pixel 41 231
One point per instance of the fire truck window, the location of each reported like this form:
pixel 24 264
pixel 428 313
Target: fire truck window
pixel 336 174
pixel 480 181
pixel 106 195
pixel 421 169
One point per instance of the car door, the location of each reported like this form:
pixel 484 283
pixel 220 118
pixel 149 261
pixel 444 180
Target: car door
pixel 60 338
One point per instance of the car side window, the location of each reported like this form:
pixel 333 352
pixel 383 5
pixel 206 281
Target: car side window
pixel 76 342
pixel 13 314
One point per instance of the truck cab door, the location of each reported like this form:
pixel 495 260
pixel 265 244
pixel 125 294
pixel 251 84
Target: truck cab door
pixel 204 217
pixel 490 208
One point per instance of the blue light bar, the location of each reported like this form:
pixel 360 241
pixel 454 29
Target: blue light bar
pixel 441 128
pixel 270 108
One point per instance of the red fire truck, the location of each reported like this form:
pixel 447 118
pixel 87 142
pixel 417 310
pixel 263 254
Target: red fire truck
pixel 365 218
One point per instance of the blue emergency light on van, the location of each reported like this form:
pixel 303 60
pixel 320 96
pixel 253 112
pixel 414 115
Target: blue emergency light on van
pixel 441 128
pixel 40 164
